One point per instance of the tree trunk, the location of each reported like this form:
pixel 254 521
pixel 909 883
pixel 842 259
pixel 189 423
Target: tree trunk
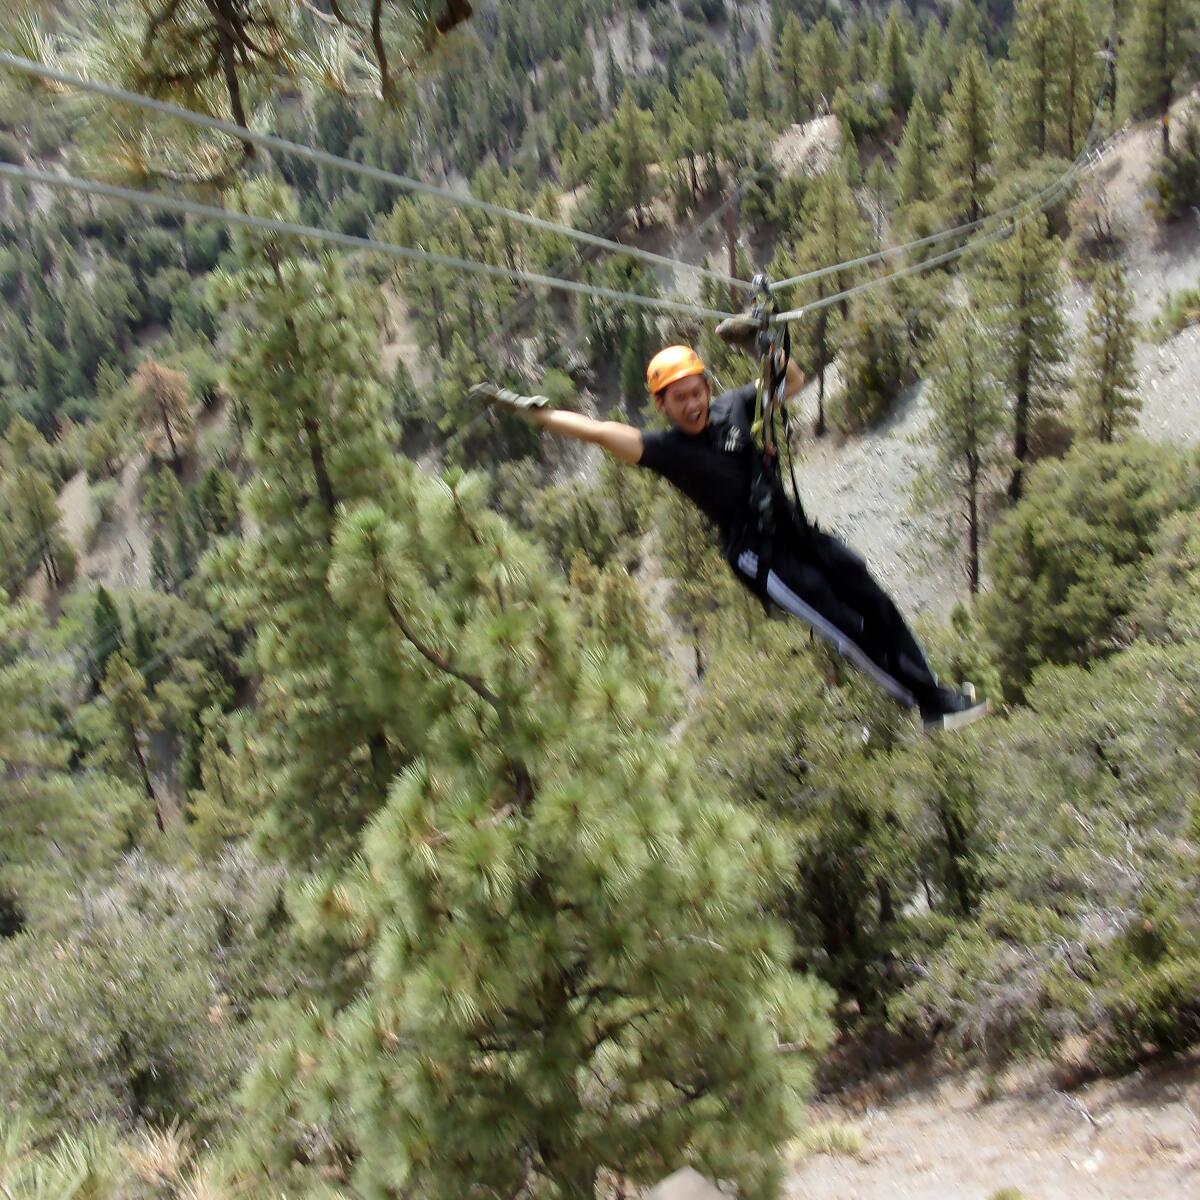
pixel 1020 443
pixel 1165 65
pixel 228 52
pixel 144 773
pixel 316 454
pixel 166 424
pixel 819 428
pixel 973 524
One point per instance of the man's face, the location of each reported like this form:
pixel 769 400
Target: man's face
pixel 685 403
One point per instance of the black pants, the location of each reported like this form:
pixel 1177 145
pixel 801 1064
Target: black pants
pixel 818 578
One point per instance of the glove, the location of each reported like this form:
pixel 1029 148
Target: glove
pixel 740 333
pixel 490 394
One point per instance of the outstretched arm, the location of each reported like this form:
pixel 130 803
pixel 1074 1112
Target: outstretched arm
pixel 622 441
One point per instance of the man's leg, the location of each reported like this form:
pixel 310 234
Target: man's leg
pixel 886 633
pixel 800 587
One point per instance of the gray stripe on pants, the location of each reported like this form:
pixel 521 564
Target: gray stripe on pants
pixel 778 591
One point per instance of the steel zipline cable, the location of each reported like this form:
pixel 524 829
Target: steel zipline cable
pixel 1036 202
pixel 182 207
pixel 26 66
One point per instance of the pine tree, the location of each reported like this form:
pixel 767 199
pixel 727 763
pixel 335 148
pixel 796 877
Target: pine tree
pixel 1159 39
pixel 1107 376
pixel 1068 562
pixel 965 160
pixel 823 65
pixel 1038 79
pixel 703 104
pixel 834 232
pixel 108 636
pixel 162 401
pixel 930 70
pixel 319 442
pixel 54 820
pixel 761 102
pixel 1022 288
pixel 28 493
pixel 894 68
pixel 1081 73
pixel 874 360
pixel 964 31
pixel 792 72
pixel 915 159
pixel 634 153
pixel 128 718
pixel 161 573
pixel 967 417
pixel 543 955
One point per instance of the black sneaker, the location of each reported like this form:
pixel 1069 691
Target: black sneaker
pixel 956 710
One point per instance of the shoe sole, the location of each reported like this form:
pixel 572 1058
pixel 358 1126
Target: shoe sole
pixel 959 720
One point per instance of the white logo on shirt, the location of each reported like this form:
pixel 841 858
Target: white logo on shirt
pixel 733 439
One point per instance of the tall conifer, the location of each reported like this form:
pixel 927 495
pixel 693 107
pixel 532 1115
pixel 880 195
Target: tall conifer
pixel 1038 77
pixel 1107 376
pixel 967 416
pixel 1023 277
pixel 1159 38
pixel 320 441
pixel 792 68
pixel 967 141
pixel 914 176
pixel 549 956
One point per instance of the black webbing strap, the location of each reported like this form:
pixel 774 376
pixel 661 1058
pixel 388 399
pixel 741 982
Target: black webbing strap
pixel 770 422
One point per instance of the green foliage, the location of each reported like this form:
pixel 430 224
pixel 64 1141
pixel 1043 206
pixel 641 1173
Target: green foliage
pixel 497 826
pixel 967 416
pixel 915 181
pixel 1107 375
pixel 108 636
pixel 50 823
pixel 874 359
pixel 800 742
pixel 319 441
pixel 1067 562
pixel 1176 180
pixel 130 1000
pixel 1156 61
pixel 834 232
pixel 1020 286
pixel 1088 922
pixel 1053 76
pixel 32 535
pixel 894 68
pixel 965 160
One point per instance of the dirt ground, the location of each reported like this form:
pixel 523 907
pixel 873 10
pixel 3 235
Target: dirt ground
pixel 1135 1139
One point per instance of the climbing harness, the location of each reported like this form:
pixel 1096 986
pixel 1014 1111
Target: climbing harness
pixel 771 433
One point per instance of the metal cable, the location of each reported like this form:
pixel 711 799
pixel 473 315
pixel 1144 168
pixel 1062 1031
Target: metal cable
pixel 268 141
pixel 175 204
pixel 969 226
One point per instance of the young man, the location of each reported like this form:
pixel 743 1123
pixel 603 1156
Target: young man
pixel 709 455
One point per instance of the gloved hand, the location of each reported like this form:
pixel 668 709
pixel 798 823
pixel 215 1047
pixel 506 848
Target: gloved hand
pixel 740 333
pixel 490 394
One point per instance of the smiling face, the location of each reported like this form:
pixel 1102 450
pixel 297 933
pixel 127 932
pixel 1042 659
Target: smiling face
pixel 685 403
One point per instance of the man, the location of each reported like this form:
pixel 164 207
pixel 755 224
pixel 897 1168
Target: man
pixel 709 454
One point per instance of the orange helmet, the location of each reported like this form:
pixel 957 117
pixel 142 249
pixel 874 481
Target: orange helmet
pixel 675 362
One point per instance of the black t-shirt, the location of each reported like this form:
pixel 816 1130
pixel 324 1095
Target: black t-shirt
pixel 715 467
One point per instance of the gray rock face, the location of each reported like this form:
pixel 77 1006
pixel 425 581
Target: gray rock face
pixel 685 1185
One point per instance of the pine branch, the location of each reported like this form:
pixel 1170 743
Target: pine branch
pixel 350 22
pixel 432 656
pixel 385 79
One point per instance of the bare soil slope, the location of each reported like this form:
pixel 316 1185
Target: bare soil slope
pixel 1137 1139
